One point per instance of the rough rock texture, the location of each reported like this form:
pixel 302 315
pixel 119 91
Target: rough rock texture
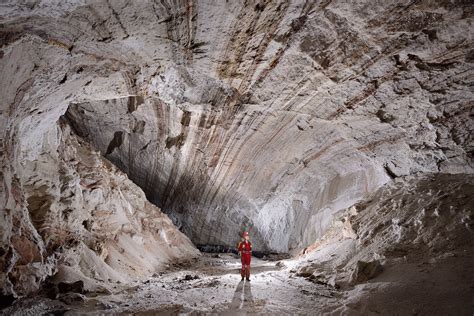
pixel 73 215
pixel 365 271
pixel 413 238
pixel 419 230
pixel 271 115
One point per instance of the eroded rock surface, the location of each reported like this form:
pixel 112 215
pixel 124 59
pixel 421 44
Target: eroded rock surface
pixel 270 115
pixel 79 218
pixel 411 243
pixel 418 229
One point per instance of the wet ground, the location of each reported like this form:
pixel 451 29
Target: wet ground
pixel 208 285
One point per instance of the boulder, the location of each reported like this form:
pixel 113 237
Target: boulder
pixel 366 270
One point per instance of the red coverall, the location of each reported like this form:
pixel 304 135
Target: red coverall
pixel 245 248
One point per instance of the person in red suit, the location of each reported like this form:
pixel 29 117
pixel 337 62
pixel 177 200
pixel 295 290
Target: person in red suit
pixel 245 252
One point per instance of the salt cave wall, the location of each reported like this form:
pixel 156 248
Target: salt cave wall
pixel 271 115
pixel 65 211
pixel 72 214
pixel 275 115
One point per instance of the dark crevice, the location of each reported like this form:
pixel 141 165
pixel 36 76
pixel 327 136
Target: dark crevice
pixel 115 142
pixel 175 141
pixel 63 80
pixel 6 300
pixel 186 118
pixel 134 102
pixel 266 255
pixel 390 172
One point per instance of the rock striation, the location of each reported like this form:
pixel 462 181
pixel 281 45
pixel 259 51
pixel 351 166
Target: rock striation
pixel 275 115
pixel 74 215
pixel 265 115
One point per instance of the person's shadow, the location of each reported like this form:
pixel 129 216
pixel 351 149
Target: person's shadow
pixel 243 297
pixel 248 297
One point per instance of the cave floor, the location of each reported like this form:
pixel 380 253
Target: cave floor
pixel 209 284
pixel 212 284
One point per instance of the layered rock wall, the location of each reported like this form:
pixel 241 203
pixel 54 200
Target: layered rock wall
pixel 276 115
pixel 268 115
pixel 72 214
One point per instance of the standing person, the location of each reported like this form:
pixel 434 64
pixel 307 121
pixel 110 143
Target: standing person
pixel 245 251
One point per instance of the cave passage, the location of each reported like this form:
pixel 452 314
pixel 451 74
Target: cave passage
pixel 139 140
